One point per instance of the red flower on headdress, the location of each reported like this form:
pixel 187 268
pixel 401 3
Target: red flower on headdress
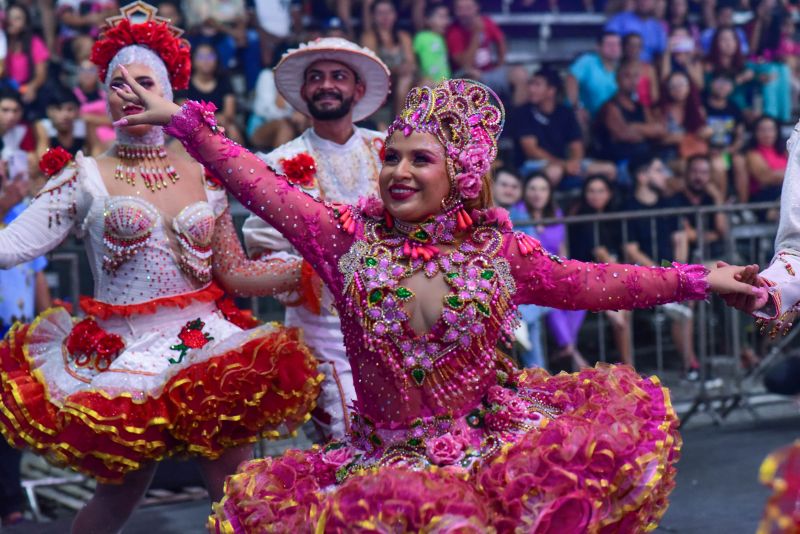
pixel 54 160
pixel 300 170
pixel 157 36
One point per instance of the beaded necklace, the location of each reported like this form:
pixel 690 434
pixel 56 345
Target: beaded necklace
pixel 149 162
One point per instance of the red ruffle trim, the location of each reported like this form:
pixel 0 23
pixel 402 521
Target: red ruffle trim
pixel 228 400
pixel 103 310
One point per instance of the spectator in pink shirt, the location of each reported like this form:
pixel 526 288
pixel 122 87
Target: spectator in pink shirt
pixel 26 60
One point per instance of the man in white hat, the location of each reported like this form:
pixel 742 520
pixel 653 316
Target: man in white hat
pixel 336 83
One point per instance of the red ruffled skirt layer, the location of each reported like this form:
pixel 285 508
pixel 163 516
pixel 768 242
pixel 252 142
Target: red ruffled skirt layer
pixel 604 465
pixel 229 399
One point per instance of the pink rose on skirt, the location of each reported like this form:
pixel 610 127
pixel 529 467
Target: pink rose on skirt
pixel 338 457
pixel 499 395
pixel 517 409
pixel 445 450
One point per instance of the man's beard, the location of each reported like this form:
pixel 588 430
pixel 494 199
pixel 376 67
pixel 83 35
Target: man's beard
pixel 330 114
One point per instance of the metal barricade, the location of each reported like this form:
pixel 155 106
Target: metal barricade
pixel 721 332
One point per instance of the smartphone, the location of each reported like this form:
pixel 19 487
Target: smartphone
pixel 18 166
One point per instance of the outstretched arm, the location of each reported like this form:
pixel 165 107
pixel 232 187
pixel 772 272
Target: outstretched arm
pixel 45 222
pixel 309 224
pixel 248 278
pixel 555 282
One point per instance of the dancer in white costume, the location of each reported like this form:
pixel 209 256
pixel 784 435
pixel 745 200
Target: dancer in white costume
pixel 336 83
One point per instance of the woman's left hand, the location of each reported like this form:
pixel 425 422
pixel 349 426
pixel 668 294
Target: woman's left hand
pixel 158 111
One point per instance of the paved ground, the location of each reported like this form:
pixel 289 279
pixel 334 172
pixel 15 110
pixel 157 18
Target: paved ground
pixel 717 491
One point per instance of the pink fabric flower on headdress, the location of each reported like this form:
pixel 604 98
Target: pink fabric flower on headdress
pixel 474 161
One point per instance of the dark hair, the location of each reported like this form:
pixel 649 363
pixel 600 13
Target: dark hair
pixel 549 209
pixel 58 95
pixel 11 94
pixel 583 206
pixel 433 7
pixel 606 33
pixel 506 170
pixel 693 116
pixel 714 55
pixel 697 157
pixel 218 69
pixel 639 163
pixel 628 36
pixel 780 142
pixel 395 30
pixel 551 77
pixel 25 37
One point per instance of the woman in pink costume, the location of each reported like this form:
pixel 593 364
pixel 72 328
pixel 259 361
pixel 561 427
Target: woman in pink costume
pixel 157 367
pixel 446 436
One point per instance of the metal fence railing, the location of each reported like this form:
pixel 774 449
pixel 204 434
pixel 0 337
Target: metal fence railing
pixel 720 333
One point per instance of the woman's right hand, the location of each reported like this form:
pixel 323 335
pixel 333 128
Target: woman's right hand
pixel 158 111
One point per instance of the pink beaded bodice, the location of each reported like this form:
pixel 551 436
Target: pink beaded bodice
pixel 400 375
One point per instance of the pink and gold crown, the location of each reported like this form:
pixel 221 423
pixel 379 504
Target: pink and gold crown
pixel 467 117
pixel 138 24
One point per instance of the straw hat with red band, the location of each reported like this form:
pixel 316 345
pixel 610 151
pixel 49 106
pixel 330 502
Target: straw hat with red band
pixel 138 24
pixel 290 72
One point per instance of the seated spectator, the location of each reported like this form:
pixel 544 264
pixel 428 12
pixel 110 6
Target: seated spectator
pixel 23 294
pixel 766 161
pixel 538 204
pixel 548 136
pixel 681 112
pixel 766 40
pixel 681 56
pixel 224 25
pixel 678 16
pixel 723 18
pixel 477 47
pixel 625 129
pixel 171 9
pixel 27 57
pixel 81 20
pixel 62 127
pixel 602 242
pixel 273 122
pixel 506 188
pixel 649 88
pixel 727 137
pixel 394 47
pixel 591 79
pixel 15 134
pixel 209 83
pixel 430 46
pixel 700 191
pixel 93 110
pixel 647 247
pixel 727 59
pixel 642 21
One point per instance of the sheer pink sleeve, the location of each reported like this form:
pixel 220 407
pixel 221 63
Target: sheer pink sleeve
pixel 243 277
pixel 555 282
pixel 309 224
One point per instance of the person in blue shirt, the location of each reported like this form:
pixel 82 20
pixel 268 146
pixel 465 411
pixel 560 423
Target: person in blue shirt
pixel 591 79
pixel 642 21
pixel 23 291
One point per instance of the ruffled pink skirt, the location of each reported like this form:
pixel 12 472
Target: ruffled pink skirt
pixel 587 452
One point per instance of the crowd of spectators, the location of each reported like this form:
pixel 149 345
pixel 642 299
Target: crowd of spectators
pixel 678 103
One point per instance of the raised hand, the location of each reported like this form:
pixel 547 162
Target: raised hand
pixel 158 111
pixel 746 301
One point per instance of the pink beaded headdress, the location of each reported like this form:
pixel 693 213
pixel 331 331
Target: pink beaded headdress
pixel 467 118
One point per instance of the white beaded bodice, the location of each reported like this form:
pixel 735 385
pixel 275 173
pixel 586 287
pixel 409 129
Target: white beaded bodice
pixel 133 258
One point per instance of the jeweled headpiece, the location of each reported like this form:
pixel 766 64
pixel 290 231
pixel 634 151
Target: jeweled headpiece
pixel 138 27
pixel 467 117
